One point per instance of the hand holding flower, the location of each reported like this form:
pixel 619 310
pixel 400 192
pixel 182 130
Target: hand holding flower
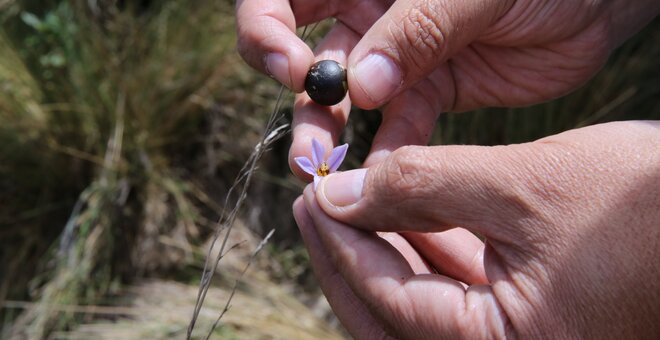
pixel 571 229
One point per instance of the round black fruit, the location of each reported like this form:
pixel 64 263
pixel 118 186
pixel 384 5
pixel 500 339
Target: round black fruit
pixel 326 82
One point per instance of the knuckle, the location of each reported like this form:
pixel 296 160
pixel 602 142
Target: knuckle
pixel 505 181
pixel 243 46
pixel 246 45
pixel 254 40
pixel 403 172
pixel 526 191
pixel 422 37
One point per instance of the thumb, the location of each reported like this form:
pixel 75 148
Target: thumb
pixel 432 189
pixel 410 40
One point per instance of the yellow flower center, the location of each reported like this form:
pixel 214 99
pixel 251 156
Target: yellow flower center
pixel 323 170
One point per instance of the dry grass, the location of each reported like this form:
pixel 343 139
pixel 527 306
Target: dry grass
pixel 159 309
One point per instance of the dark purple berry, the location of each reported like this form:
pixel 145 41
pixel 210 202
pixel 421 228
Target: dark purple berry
pixel 326 82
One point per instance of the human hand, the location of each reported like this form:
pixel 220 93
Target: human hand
pixel 424 57
pixel 572 229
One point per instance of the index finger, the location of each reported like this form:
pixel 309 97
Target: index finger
pixel 268 42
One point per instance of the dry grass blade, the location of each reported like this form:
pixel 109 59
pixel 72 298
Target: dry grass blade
pixel 270 135
pixel 240 277
pixel 243 180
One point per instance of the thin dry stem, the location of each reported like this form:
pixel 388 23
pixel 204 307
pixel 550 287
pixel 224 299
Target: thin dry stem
pixel 270 135
pixel 240 277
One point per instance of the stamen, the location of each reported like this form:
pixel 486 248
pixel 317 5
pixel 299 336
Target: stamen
pixel 323 170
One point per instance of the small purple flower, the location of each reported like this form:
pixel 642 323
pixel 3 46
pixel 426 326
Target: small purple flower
pixel 318 167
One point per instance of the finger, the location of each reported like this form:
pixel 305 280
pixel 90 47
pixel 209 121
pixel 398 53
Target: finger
pixel 358 15
pixel 456 253
pixel 416 262
pixel 324 123
pixel 352 313
pixel 483 189
pixel 410 40
pixel 409 118
pixel 268 42
pixel 412 306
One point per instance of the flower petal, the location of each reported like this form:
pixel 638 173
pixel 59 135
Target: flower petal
pixel 337 156
pixel 318 153
pixel 306 165
pixel 317 179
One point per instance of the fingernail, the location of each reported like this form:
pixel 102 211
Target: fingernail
pixel 344 188
pixel 277 65
pixel 378 76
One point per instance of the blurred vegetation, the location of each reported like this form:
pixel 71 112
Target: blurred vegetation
pixel 122 125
